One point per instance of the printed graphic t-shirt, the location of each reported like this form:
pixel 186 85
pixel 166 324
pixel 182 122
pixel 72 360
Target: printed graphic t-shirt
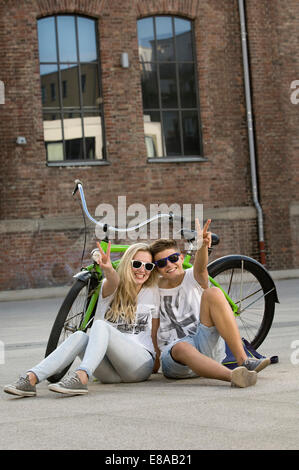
pixel 179 310
pixel 148 301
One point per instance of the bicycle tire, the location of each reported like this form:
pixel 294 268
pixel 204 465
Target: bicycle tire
pixel 61 328
pixel 251 287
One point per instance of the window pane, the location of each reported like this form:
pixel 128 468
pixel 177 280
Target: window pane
pixel 183 37
pixel 165 49
pixel 187 86
pixel 191 133
pixel 172 133
pixel 90 85
pixel 70 91
pixel 87 40
pixel 146 41
pixel 73 135
pixel 153 134
pixel 149 81
pixel 67 39
pixel 47 40
pixel 168 86
pixel 53 136
pixel 49 83
pixel 93 136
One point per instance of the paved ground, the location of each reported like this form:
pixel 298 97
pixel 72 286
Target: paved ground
pixel 158 414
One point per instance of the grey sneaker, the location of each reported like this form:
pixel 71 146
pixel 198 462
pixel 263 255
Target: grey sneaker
pixel 69 385
pixel 22 387
pixel 242 377
pixel 256 364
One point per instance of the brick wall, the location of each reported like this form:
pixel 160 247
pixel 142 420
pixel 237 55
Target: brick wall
pixel 32 192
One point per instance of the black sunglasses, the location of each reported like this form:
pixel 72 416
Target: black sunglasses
pixel 137 264
pixel 161 263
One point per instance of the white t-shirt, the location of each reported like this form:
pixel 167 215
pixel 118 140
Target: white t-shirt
pixel 179 310
pixel 148 301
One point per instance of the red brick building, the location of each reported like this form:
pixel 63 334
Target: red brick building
pixel 145 99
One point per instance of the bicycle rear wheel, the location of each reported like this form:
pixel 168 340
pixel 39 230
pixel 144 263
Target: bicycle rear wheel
pixel 70 317
pixel 252 289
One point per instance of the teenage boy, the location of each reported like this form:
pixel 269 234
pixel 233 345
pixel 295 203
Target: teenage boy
pixel 196 319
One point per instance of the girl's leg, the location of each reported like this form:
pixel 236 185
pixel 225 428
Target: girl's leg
pixel 61 357
pixel 129 362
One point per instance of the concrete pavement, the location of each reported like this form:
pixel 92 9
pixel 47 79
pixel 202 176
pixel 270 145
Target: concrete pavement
pixel 158 414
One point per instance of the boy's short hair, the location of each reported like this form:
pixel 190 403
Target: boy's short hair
pixel 162 244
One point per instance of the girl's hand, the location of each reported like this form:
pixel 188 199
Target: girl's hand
pixel 104 260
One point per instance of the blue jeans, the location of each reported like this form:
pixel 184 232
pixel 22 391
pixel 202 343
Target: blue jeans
pixel 107 354
pixel 206 340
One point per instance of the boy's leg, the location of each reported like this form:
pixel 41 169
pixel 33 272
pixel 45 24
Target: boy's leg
pixel 215 311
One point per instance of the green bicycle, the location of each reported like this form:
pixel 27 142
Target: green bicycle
pixel 246 284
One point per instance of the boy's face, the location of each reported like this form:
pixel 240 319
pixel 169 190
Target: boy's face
pixel 173 266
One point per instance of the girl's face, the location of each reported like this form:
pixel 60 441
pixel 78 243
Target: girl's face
pixel 141 274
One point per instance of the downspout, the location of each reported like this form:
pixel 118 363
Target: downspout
pixel 251 133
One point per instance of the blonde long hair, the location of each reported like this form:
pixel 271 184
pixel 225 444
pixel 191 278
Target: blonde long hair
pixel 124 302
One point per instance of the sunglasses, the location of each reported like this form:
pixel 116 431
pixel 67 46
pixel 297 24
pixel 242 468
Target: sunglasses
pixel 137 264
pixel 161 263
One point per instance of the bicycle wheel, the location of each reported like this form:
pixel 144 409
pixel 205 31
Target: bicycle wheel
pixel 69 318
pixel 252 289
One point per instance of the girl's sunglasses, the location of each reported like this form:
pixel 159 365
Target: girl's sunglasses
pixel 161 263
pixel 137 264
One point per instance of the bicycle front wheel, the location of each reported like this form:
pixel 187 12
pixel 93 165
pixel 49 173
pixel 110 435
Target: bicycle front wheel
pixel 69 318
pixel 252 289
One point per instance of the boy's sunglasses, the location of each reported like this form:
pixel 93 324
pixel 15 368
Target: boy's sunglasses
pixel 161 263
pixel 137 264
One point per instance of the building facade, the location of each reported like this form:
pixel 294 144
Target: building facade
pixel 145 100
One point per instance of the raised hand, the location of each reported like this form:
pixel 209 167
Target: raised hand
pixel 204 237
pixel 104 260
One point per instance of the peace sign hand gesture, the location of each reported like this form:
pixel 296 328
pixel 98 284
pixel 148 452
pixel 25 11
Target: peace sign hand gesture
pixel 103 259
pixel 204 238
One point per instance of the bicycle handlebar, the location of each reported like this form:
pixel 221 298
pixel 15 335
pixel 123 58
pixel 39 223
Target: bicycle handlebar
pixel 105 227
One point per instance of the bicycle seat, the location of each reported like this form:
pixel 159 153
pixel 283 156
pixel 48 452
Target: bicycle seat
pixel 190 236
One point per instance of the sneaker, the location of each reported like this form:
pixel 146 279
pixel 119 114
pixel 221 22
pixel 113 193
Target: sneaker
pixel 242 377
pixel 256 364
pixel 69 385
pixel 22 387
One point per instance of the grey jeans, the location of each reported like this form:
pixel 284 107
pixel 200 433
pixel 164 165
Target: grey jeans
pixel 107 354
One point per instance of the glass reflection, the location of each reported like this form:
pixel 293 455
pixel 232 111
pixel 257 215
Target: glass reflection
pixel 172 133
pixel 50 85
pixel 146 40
pixel 70 85
pixel 190 133
pixel 53 136
pixel 149 79
pixel 165 46
pixel 90 84
pixel 153 134
pixel 183 39
pixel 67 39
pixel 47 40
pixel 93 136
pixel 168 84
pixel 187 86
pixel 87 40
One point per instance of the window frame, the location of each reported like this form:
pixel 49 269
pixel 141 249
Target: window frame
pixel 81 110
pixel 180 158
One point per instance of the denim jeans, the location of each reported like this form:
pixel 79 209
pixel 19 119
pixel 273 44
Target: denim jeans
pixel 106 353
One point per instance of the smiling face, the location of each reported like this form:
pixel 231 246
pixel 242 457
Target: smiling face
pixel 141 275
pixel 171 271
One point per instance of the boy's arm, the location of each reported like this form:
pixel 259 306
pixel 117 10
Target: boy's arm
pixel 201 257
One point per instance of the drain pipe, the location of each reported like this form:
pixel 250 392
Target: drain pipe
pixel 251 133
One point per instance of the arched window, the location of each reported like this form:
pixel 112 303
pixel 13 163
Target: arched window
pixel 169 88
pixel 71 90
